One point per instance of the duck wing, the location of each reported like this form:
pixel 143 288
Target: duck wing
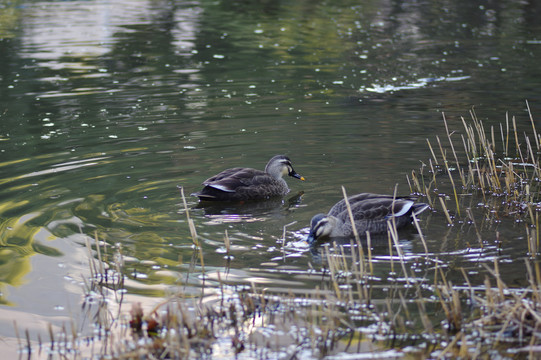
pixel 230 180
pixel 365 201
pixel 368 206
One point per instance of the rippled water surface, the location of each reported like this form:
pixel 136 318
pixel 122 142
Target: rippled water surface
pixel 108 108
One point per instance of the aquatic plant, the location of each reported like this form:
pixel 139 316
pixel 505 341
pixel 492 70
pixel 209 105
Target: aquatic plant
pixel 388 302
pixel 503 170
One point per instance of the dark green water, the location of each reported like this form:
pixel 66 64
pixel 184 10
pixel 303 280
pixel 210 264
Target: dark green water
pixel 107 107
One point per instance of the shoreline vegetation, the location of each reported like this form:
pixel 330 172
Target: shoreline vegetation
pixel 476 177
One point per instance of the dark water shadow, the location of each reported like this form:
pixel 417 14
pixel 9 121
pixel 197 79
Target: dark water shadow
pixel 379 244
pixel 214 208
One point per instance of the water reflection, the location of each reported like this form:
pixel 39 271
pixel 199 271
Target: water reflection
pixel 91 29
pixel 376 245
pixel 107 107
pixel 220 212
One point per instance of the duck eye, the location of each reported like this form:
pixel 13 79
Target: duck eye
pixel 320 225
pixel 320 228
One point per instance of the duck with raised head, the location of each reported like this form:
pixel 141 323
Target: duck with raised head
pixel 247 184
pixel 371 212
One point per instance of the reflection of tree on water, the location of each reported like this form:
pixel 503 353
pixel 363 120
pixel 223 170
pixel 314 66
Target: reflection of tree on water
pixel 17 245
pixel 13 268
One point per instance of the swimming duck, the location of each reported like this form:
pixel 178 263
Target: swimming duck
pixel 247 184
pixel 370 213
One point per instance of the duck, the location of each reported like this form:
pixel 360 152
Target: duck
pixel 241 184
pixel 371 213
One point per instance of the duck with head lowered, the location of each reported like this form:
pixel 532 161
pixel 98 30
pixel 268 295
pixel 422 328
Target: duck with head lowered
pixel 247 184
pixel 371 212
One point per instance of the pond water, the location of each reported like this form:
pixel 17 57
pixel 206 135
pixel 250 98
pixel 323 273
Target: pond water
pixel 108 107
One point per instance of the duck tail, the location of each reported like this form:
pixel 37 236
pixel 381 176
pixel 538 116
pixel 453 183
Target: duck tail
pixel 419 208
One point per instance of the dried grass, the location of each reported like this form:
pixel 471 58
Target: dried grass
pixel 350 307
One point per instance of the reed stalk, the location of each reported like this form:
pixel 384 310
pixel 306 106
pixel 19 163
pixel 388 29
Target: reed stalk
pixel 420 232
pixel 369 248
pixel 506 142
pixel 432 152
pixel 193 231
pixel 332 272
pixel 517 143
pixel 445 211
pixel 354 228
pixel 425 319
pixel 393 233
pixel 98 250
pixel 536 136
pixel 433 171
pixel 477 233
pixel 284 229
pixel 356 272
pixel 446 163
pixel 390 245
pixel 457 163
pixel 227 243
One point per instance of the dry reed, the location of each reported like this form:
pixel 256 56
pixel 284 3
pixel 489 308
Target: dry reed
pixel 351 306
pixel 482 165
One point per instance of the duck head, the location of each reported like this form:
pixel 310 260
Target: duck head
pixel 279 166
pixel 321 226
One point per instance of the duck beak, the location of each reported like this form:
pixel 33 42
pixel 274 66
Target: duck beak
pixel 310 239
pixel 295 175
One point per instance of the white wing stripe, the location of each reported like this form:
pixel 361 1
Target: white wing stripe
pixel 405 208
pixel 221 187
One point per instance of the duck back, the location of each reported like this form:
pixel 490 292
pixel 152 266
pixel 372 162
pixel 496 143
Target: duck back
pixel 242 184
pixel 371 212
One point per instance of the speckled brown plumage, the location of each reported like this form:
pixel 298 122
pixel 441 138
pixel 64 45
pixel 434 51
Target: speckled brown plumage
pixel 247 184
pixel 371 212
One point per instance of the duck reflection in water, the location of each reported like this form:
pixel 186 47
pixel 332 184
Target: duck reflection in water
pixel 379 244
pixel 249 211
